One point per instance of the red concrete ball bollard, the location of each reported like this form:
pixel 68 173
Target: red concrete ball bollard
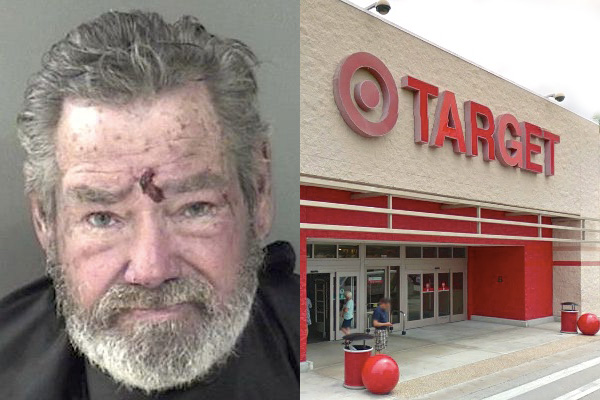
pixel 380 374
pixel 588 324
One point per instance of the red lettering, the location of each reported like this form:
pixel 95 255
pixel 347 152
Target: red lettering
pixel 357 104
pixel 550 139
pixel 447 124
pixel 528 130
pixel 508 152
pixel 423 91
pixel 473 133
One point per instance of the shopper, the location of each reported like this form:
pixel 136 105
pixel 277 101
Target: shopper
pixel 381 324
pixel 347 314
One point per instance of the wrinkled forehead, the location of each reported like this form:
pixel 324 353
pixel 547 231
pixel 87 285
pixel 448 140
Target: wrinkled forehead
pixel 171 131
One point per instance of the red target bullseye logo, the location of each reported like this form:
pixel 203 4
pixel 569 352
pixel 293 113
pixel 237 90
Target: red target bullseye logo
pixel 366 94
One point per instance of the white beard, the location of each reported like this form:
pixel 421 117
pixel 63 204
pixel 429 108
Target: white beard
pixel 155 356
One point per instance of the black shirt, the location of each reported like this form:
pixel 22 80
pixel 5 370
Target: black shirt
pixel 38 363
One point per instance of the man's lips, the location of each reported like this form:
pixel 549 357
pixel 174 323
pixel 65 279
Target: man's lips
pixel 157 314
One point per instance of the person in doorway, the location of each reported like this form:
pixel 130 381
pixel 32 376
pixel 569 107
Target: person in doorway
pixel 381 324
pixel 347 314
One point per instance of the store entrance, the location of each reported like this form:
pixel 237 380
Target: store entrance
pixel 434 296
pixel 383 282
pixel 318 293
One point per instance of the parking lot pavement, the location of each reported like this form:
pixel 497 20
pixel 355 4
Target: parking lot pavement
pixel 569 374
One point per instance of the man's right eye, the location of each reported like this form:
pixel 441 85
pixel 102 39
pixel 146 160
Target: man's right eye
pixel 101 219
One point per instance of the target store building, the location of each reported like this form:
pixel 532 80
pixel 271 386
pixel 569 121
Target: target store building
pixel 436 183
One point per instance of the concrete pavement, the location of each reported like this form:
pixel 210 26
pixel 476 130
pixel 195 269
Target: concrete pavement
pixel 440 357
pixel 560 375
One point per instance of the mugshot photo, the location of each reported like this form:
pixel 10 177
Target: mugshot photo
pixel 149 203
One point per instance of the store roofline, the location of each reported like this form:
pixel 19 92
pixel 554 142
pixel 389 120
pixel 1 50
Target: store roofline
pixel 464 59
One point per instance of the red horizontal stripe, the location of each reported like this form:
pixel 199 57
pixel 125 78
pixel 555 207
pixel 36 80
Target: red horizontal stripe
pixel 577 263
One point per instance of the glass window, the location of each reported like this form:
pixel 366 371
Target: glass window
pixel 445 252
pixel 375 287
pixel 459 252
pixel 325 250
pixel 444 294
pixel 413 252
pixel 383 251
pixel 428 295
pixel 413 291
pixel 309 247
pixel 429 252
pixel 395 293
pixel 345 251
pixel 457 293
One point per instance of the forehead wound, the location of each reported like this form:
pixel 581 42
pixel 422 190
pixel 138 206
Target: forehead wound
pixel 149 188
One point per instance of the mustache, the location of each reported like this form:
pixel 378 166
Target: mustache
pixel 124 297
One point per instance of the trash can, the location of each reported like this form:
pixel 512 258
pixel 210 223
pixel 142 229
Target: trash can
pixel 568 317
pixel 355 357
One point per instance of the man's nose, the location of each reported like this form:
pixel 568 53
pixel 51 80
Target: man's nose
pixel 150 263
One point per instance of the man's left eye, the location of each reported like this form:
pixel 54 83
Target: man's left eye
pixel 198 209
pixel 101 220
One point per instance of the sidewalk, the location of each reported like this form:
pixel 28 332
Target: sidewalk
pixel 426 351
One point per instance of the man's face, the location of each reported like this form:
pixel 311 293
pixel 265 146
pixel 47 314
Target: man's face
pixel 109 232
pixel 153 242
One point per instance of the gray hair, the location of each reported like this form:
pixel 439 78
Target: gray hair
pixel 119 57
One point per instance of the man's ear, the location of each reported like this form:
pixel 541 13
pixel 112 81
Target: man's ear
pixel 40 221
pixel 265 207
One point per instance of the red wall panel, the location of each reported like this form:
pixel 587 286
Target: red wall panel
pixel 538 279
pixel 489 297
pixel 432 224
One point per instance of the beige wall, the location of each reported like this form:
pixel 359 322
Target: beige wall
pixel 573 282
pixel 332 30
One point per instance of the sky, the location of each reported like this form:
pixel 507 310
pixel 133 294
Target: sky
pixel 546 46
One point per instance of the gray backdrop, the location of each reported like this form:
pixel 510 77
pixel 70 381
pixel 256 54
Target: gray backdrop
pixel 28 28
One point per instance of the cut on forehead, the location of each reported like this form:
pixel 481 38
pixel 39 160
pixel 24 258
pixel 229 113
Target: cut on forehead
pixel 106 195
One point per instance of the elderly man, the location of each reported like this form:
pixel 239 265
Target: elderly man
pixel 148 173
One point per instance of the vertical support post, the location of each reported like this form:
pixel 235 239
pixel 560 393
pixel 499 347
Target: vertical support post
pixel 583 229
pixel 479 222
pixel 389 216
pixel 539 223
